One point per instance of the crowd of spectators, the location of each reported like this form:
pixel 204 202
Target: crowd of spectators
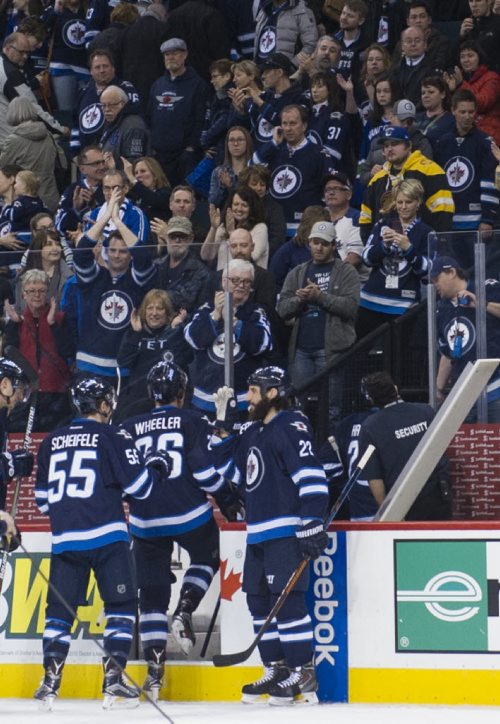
pixel 296 153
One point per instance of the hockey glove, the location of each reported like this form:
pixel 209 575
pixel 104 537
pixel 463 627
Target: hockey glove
pixel 230 504
pixel 226 407
pixel 16 463
pixel 161 462
pixel 11 544
pixel 312 538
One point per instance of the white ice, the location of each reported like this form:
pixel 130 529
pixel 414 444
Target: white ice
pixel 67 711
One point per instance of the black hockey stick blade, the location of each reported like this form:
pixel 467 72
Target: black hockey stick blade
pixel 16 356
pixel 239 656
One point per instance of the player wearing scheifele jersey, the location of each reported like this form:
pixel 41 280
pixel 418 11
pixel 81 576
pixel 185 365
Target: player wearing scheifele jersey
pixel 177 510
pixel 286 497
pixel 85 469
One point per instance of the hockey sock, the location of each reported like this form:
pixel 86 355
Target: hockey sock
pixel 56 640
pixel 295 630
pixel 270 646
pixel 118 636
pixel 153 628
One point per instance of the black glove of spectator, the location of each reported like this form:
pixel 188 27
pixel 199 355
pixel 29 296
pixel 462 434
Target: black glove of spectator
pixel 12 544
pixel 161 462
pixel 312 538
pixel 230 504
pixel 16 463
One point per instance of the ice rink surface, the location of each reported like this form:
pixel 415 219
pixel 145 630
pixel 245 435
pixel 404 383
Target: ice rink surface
pixel 66 711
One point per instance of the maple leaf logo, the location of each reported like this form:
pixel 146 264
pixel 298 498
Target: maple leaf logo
pixel 228 584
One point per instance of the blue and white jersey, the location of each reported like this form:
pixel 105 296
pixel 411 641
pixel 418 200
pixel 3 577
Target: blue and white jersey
pixel 131 215
pixel 84 471
pixel 179 504
pixel 470 169
pixel 329 129
pixel 283 482
pixel 456 326
pixel 68 53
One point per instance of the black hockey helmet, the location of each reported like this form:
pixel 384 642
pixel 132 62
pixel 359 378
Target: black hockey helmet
pixel 15 374
pixel 166 380
pixel 272 376
pixel 88 392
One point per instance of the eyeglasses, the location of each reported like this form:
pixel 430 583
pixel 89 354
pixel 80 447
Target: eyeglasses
pixel 413 41
pixel 238 282
pixel 335 189
pixel 100 162
pixel 35 292
pixel 49 227
pixel 21 52
pixel 111 105
pixel 236 140
pixel 117 187
pixel 177 237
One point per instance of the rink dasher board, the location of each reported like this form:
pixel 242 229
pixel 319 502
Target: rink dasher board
pixel 421 620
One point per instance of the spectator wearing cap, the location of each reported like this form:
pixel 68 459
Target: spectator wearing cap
pixel 180 272
pixel 297 165
pixel 264 107
pixel 203 27
pixel 396 253
pixel 338 193
pixel 465 154
pixel 414 65
pixel 320 298
pixel 404 114
pixel 456 327
pixel 284 26
pixel 176 112
pixel 125 134
pixel 401 162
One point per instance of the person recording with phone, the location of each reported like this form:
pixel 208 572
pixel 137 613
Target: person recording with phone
pixel 397 254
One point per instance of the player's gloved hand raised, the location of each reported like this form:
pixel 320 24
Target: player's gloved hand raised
pixel 312 538
pixel 161 462
pixel 226 407
pixel 16 463
pixel 230 504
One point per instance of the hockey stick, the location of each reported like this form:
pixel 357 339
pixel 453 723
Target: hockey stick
pixel 73 614
pixel 239 656
pixel 13 354
pixel 210 629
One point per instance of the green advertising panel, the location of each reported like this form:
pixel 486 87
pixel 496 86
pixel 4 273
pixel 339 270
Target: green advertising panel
pixel 441 592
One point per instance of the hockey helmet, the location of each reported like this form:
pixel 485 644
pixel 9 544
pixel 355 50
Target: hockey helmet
pixel 88 392
pixel 166 381
pixel 266 378
pixel 15 374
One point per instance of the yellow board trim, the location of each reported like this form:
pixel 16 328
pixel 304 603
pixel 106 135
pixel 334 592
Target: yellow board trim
pixel 424 686
pixel 184 682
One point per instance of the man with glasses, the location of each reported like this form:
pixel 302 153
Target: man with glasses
pixel 125 133
pixel 83 195
pixel 414 65
pixel 132 216
pixel 89 113
pixel 15 81
pixel 321 298
pixel 183 275
pixel 205 333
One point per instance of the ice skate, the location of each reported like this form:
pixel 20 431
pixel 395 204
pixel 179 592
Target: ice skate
pixel 49 686
pixel 298 688
pixel 117 693
pixel 156 670
pixel 182 629
pixel 258 691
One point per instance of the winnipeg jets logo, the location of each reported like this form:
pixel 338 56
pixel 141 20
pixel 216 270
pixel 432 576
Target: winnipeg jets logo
pixel 460 173
pixel 73 33
pixel 264 130
pixel 216 353
pixel 92 117
pixel 115 310
pixel 301 427
pixel 267 41
pixel 255 468
pixel 285 181
pixel 167 100
pixel 460 327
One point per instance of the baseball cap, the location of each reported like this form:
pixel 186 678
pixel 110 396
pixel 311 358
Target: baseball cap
pixel 443 263
pixel 404 109
pixel 393 133
pixel 279 61
pixel 181 225
pixel 323 230
pixel 173 44
pixel 342 179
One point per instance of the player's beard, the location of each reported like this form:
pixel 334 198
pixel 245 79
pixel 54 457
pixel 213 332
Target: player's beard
pixel 260 410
